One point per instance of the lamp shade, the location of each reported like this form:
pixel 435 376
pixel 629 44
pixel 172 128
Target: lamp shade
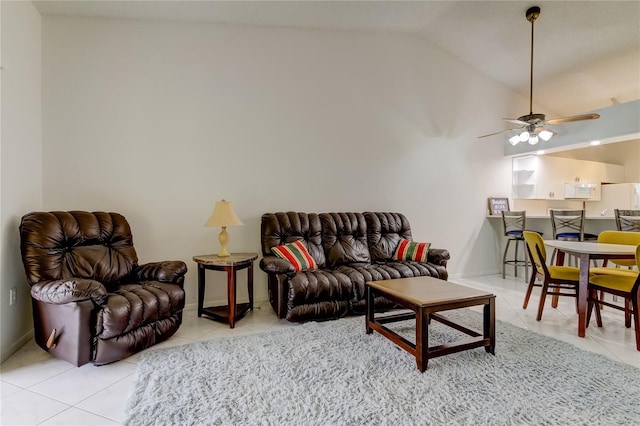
pixel 545 135
pixel 223 215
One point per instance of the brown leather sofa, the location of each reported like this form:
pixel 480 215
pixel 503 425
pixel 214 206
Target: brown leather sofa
pixel 350 249
pixel 92 302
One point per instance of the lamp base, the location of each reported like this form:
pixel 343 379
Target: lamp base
pixel 223 238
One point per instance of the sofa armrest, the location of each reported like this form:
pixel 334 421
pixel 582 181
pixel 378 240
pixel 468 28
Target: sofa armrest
pixel 171 271
pixel 59 292
pixel 438 256
pixel 275 265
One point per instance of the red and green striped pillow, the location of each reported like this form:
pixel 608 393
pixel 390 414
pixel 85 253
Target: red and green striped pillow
pixel 297 254
pixel 410 250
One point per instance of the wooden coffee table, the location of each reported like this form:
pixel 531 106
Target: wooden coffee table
pixel 426 296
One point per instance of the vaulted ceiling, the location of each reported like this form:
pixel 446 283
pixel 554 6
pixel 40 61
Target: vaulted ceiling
pixel 587 53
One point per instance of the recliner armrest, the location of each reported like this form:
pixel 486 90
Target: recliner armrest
pixel 438 256
pixel 171 271
pixel 59 292
pixel 276 265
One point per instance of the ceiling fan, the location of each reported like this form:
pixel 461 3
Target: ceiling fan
pixel 532 126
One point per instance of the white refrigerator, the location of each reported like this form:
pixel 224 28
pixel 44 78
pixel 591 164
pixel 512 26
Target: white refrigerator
pixel 624 196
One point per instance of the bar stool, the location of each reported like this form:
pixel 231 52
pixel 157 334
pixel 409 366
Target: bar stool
pixel 568 225
pixel 514 223
pixel 628 220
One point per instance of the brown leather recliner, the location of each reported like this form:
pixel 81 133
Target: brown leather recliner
pixel 92 302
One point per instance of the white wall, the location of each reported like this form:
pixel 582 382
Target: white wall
pixel 160 120
pixel 20 160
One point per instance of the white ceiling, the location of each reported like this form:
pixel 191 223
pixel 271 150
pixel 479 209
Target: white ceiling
pixel 586 52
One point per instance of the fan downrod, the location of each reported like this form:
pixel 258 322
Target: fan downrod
pixel 532 14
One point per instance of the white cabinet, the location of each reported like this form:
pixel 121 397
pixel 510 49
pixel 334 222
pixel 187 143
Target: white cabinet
pixel 551 175
pixel 524 177
pixel 538 177
pixel 610 173
pixel 580 171
pixel 543 177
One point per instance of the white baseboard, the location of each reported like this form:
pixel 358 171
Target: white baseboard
pixel 475 274
pixel 7 352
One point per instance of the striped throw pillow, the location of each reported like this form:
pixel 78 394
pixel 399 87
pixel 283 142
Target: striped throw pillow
pixel 297 254
pixel 410 250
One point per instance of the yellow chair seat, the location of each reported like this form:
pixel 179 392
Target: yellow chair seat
pixel 623 262
pixel 569 273
pixel 614 271
pixel 614 282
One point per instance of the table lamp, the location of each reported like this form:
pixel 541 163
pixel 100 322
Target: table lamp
pixel 223 216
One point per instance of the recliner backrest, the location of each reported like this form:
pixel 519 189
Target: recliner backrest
pixel 384 232
pixel 61 245
pixel 344 238
pixel 282 228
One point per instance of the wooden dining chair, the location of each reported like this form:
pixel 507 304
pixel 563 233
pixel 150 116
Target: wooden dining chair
pixel 617 266
pixel 620 285
pixel 627 220
pixel 556 280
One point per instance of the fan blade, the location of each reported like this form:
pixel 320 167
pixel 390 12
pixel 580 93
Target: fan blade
pixel 573 118
pixel 496 133
pixel 514 121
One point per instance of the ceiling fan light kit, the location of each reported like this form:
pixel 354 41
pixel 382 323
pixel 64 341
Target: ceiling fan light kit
pixel 531 136
pixel 533 125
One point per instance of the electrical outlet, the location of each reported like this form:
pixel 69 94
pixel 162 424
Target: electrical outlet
pixel 13 296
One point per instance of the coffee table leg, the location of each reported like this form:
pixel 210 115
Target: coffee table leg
pixel 369 308
pixel 490 325
pixel 422 339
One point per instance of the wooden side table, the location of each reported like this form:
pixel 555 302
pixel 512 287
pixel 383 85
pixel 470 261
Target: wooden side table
pixel 237 261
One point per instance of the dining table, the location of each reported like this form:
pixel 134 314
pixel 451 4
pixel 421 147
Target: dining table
pixel 586 251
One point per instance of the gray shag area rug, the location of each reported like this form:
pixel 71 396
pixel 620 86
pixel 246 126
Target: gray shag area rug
pixel 332 373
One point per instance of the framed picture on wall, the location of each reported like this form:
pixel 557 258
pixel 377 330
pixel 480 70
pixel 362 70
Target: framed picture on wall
pixel 497 205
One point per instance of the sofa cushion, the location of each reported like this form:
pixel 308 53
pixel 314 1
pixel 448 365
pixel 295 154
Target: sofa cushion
pixel 344 238
pixel 319 285
pixel 360 273
pixel 318 294
pixel 411 250
pixel 384 232
pixel 296 253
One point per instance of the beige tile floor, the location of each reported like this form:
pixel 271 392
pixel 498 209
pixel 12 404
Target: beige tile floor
pixel 37 389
